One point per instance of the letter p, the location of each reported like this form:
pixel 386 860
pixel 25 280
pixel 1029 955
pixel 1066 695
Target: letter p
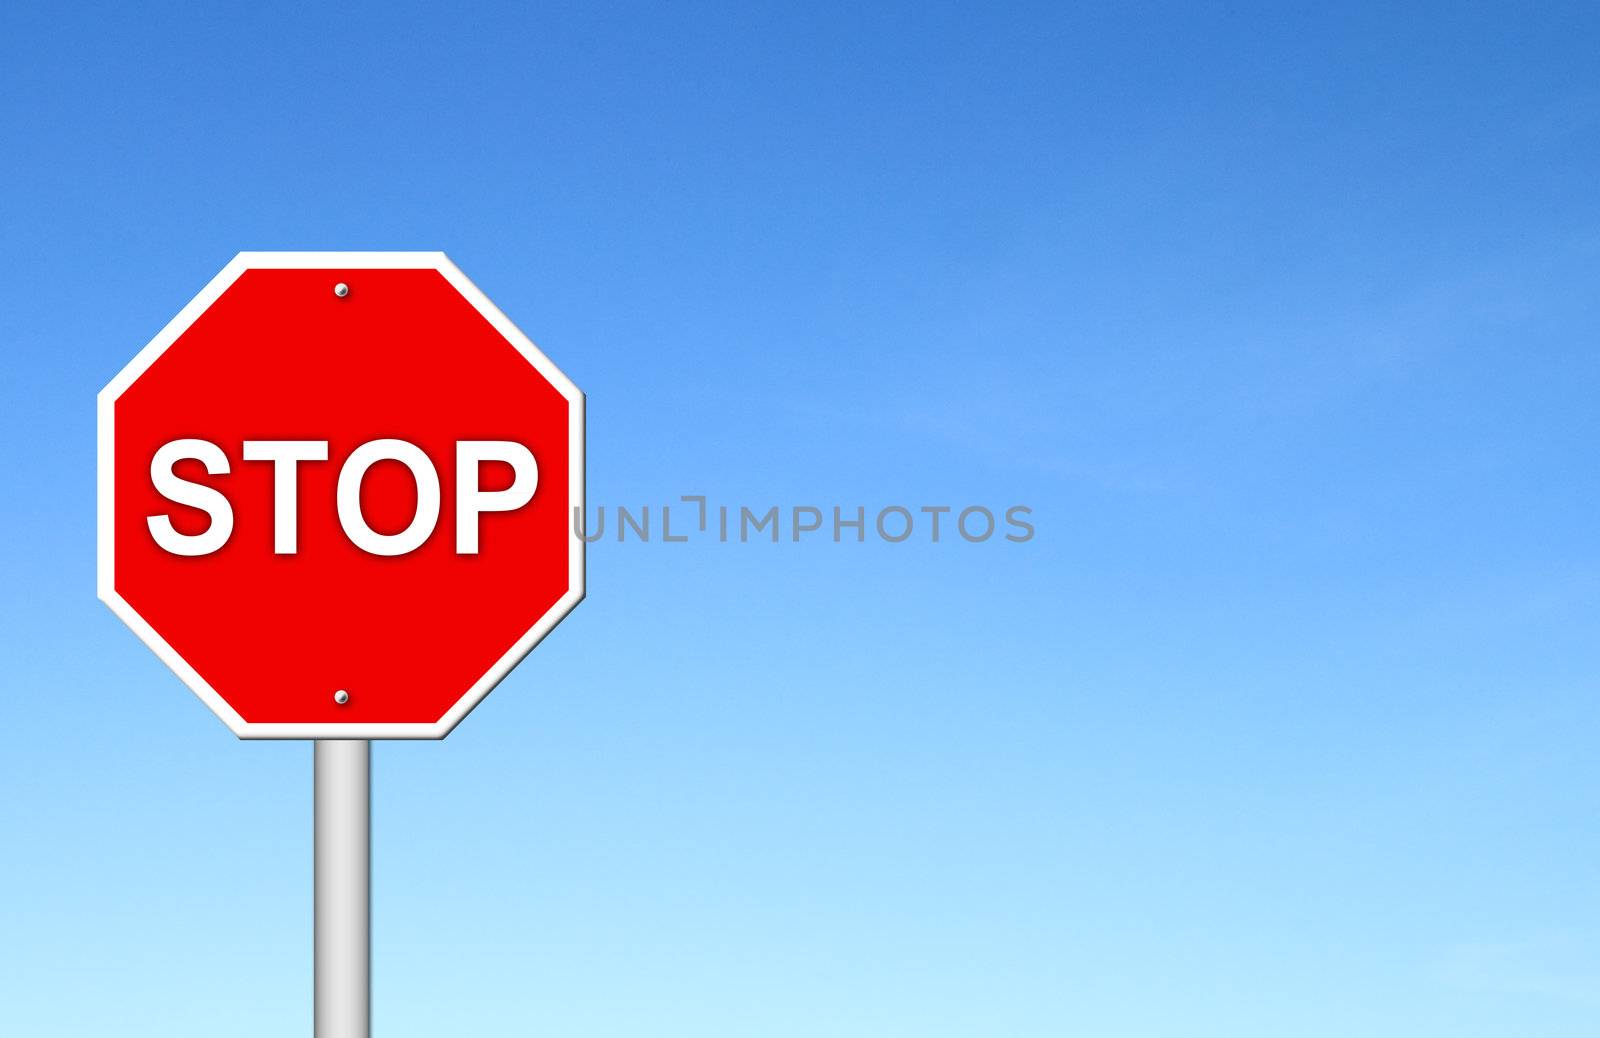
pixel 471 501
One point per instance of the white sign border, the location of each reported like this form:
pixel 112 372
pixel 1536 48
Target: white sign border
pixel 106 410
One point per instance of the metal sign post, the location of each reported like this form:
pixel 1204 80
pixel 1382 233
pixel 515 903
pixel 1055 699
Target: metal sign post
pixel 343 881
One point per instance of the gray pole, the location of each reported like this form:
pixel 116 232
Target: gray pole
pixel 343 888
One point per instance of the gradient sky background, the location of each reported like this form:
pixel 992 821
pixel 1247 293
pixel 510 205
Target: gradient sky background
pixel 1282 319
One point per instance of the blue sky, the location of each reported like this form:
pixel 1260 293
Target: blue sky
pixel 1282 320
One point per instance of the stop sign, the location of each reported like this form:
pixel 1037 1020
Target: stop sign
pixel 337 495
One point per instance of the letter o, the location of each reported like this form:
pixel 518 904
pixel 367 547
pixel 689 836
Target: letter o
pixel 883 531
pixel 988 517
pixel 349 495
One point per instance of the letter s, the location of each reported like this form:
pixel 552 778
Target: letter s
pixel 195 495
pixel 1021 524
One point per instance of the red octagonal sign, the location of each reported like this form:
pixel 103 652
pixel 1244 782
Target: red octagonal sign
pixel 337 495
